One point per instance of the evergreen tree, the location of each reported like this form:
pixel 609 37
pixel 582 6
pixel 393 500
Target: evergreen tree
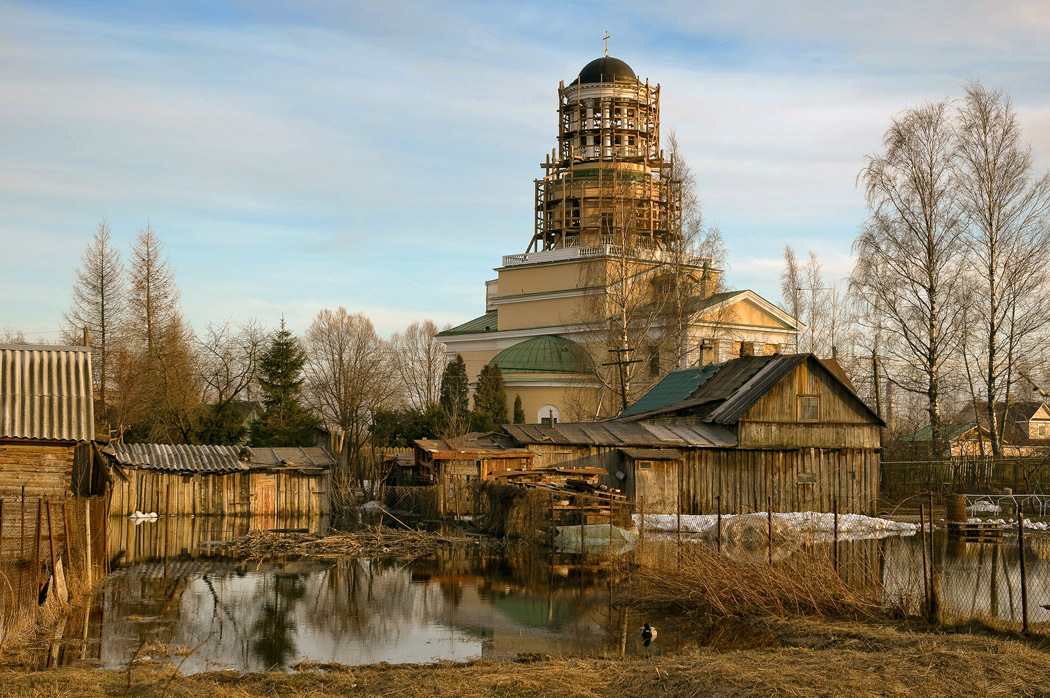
pixel 490 400
pixel 285 421
pixel 454 395
pixel 519 411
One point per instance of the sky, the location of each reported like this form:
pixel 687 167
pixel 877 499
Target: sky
pixel 380 155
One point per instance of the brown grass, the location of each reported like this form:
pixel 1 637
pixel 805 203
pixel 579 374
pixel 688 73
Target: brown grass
pixel 814 659
pixel 702 582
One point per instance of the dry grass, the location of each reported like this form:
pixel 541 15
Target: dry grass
pixel 702 582
pixel 814 659
pixel 377 541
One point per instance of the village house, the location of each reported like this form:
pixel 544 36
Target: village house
pixel 268 483
pixel 47 422
pixel 785 430
pixel 1025 426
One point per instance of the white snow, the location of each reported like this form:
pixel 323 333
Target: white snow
pixel 851 526
pixel 983 506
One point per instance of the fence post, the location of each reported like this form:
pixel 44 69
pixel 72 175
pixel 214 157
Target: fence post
pixel 925 577
pixel 718 523
pixel 50 536
pixel 1024 578
pixel 87 538
pixel 65 529
pixel 36 558
pixel 679 529
pixel 1 529
pixel 769 527
pixel 641 525
pixel 835 504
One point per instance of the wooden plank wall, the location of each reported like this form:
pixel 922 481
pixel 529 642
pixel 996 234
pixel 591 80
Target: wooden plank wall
pixel 46 469
pixel 218 494
pixel 798 479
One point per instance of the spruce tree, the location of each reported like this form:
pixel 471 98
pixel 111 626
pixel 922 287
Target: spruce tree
pixel 519 411
pixel 454 395
pixel 490 400
pixel 285 421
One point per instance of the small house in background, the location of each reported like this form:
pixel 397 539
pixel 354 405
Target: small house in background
pixel 459 465
pixel 47 422
pixel 783 429
pixel 1025 425
pixel 276 483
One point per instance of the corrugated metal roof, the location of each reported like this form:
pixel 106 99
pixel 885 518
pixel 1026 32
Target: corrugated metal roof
pixel 181 457
pixel 485 323
pixel 45 393
pixel 675 387
pixel 652 453
pixel 193 458
pixel 623 434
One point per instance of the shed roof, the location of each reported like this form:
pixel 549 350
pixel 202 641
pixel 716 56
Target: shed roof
pixel 195 458
pixel 45 393
pixel 652 453
pixel 623 434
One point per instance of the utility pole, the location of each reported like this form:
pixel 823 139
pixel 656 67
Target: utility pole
pixel 620 362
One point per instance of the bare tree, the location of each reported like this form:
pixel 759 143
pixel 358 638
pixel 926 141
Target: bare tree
pixel 1008 243
pixel 814 280
pixel 227 364
pixel 908 253
pixel 419 360
pixel 99 296
pixel 348 378
pixel 791 285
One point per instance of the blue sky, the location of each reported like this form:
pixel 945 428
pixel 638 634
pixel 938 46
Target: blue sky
pixel 380 155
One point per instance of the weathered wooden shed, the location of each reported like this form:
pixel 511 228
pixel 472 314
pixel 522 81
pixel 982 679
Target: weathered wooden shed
pixel 785 428
pixel 47 422
pixel 459 465
pixel 219 480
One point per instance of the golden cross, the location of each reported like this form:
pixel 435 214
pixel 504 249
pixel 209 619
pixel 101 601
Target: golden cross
pixel 606 37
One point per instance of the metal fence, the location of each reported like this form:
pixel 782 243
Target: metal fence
pixel 984 475
pixel 38 534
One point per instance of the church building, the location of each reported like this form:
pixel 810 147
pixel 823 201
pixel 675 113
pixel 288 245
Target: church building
pixel 608 296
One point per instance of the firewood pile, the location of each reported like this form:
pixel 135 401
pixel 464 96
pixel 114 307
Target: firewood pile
pixel 373 542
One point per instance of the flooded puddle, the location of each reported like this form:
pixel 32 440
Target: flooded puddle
pixel 171 598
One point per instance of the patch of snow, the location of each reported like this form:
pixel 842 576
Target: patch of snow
pixel 983 506
pixel 850 526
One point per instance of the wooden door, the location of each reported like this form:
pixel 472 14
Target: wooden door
pixel 656 482
pixel 264 501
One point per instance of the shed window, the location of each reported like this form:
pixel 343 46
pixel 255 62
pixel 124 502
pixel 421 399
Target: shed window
pixel 643 464
pixel 808 408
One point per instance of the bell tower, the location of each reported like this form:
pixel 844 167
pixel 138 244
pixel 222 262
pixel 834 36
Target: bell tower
pixel 607 183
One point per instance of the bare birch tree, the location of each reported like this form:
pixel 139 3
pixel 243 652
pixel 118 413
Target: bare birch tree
pixel 1008 243
pixel 419 360
pixel 228 356
pixel 791 285
pixel 99 296
pixel 908 253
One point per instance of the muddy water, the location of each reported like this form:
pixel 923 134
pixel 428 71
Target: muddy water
pixel 181 602
pixel 173 598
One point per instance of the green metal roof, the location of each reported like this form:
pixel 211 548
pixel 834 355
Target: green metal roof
pixel 479 325
pixel 546 354
pixel 675 387
pixel 950 432
pixel 695 304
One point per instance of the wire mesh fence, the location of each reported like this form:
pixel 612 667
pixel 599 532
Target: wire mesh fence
pixel 965 474
pixel 39 534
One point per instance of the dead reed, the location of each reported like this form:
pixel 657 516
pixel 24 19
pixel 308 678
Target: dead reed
pixel 376 541
pixel 703 582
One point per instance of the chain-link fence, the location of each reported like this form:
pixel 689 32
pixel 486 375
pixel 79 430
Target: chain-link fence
pixel 974 474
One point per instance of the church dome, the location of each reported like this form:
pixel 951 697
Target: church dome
pixel 605 69
pixel 546 354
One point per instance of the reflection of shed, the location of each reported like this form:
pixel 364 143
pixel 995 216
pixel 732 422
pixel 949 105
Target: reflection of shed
pixel 47 422
pixel 459 465
pixel 788 428
pixel 219 480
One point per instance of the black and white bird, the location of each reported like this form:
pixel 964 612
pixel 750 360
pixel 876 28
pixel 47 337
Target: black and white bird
pixel 648 634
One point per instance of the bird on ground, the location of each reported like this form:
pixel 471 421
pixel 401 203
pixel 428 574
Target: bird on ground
pixel 648 634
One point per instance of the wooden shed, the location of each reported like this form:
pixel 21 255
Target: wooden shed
pixel 219 480
pixel 785 428
pixel 47 422
pixel 459 465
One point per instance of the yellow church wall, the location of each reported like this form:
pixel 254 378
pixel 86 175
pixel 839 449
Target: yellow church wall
pixel 572 403
pixel 540 278
pixel 542 312
pixel 745 313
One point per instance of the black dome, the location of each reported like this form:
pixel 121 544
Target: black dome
pixel 605 69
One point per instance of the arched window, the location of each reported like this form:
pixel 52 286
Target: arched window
pixel 549 415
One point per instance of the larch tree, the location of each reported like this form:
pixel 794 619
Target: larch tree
pixel 908 255
pixel 1006 209
pixel 99 296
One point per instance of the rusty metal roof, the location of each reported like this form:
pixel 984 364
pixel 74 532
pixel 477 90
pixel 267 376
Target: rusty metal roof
pixel 192 458
pixel 623 434
pixel 45 393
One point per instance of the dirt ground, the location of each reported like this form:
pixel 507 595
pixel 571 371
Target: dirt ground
pixel 812 658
